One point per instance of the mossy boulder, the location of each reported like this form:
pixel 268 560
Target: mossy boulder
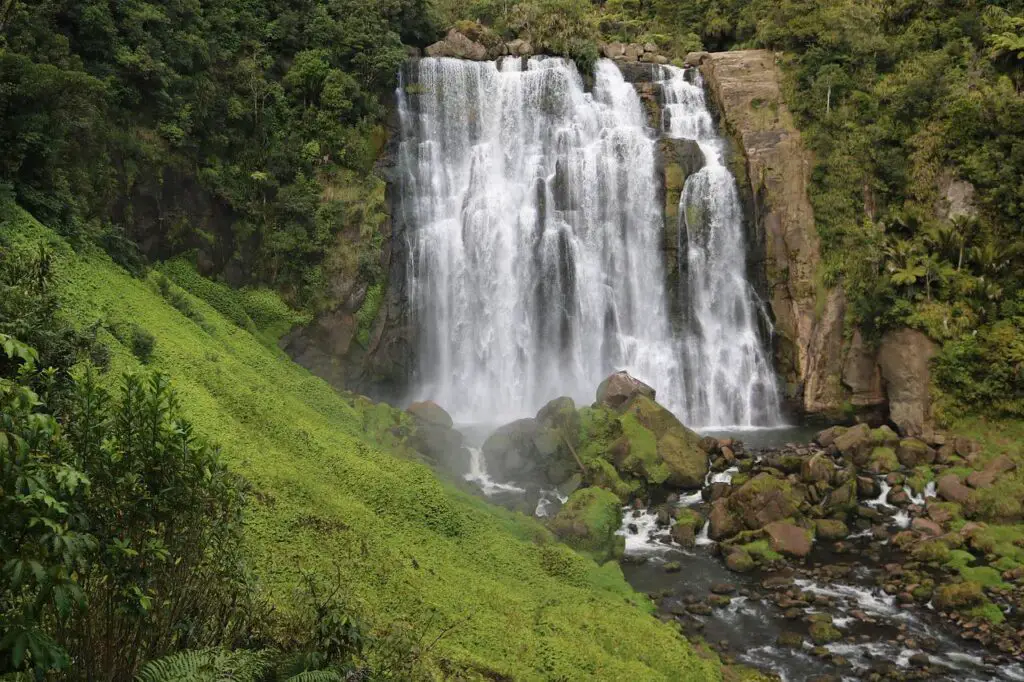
pixel 668 452
pixel 824 632
pixel 686 527
pixel 429 412
pixel 882 460
pixel 764 499
pixel 817 468
pixel 739 560
pixel 912 452
pixel 831 529
pixel 854 441
pixel 588 522
pixel 884 436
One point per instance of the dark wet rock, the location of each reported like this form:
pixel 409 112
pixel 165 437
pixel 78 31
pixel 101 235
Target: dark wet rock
pixel 673 567
pixel 898 497
pixel 791 640
pixel 828 436
pixel 715 491
pixel 719 600
pixel 822 631
pixel 867 487
pixel 723 522
pixel 818 468
pixel 723 588
pixel 854 441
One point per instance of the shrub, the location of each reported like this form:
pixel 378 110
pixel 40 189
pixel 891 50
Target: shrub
pixel 143 344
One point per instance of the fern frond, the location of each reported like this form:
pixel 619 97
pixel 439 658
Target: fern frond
pixel 316 676
pixel 208 665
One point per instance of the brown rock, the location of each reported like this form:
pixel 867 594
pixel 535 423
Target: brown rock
pixel 429 412
pixel 745 85
pixel 926 527
pixel 854 441
pixel 991 473
pixel 903 357
pixel 951 489
pixel 723 523
pixel 938 514
pixel 786 538
pixel 617 390
pixel 817 468
pixel 913 452
pixel 457 45
pixel 862 374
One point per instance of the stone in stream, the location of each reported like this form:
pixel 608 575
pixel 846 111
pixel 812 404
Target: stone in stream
pixel 831 529
pixel 926 527
pixel 739 561
pixel 789 539
pixel 913 452
pixel 823 631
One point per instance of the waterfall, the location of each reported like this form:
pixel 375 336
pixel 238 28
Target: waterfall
pixel 729 379
pixel 535 241
pixel 535 235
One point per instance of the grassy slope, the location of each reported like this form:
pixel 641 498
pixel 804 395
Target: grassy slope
pixel 403 542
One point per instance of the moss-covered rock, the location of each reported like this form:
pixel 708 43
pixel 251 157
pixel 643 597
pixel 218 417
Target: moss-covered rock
pixel 831 529
pixel 739 560
pixel 764 499
pixel 882 460
pixel 824 632
pixel 588 522
pixel 912 452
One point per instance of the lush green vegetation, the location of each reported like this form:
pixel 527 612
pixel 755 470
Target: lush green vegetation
pixel 415 564
pixel 247 132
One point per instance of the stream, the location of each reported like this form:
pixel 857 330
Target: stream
pixel 761 618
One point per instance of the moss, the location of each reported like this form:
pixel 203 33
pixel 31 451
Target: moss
pixel 588 522
pixel 958 595
pixel 824 632
pixel 958 559
pixel 931 550
pixel 643 452
pixel 407 544
pixel 760 549
pixel 688 517
pixel 989 612
pixel 921 477
pixel 883 460
pixel 986 576
pixel 367 314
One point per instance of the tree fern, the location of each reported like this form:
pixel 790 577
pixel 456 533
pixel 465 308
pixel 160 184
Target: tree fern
pixel 208 665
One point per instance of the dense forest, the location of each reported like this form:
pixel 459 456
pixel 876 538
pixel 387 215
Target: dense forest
pixel 245 137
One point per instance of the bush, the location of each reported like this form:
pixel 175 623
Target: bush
pixel 143 344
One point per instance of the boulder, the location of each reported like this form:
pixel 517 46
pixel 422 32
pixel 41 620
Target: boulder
pixel 633 52
pixel 525 451
pixel 722 522
pixel 824 632
pixel 854 441
pixel 613 50
pixel 739 560
pixel 951 489
pixel 992 471
pixel 763 500
pixel 559 413
pixel 694 58
pixel 817 468
pixel 828 436
pixel 843 498
pixel 903 357
pixel 429 412
pixel 588 521
pixel 619 388
pixel 831 529
pixel 882 460
pixel 457 45
pixel 677 459
pixel 927 527
pixel 789 539
pixel 520 47
pixel 913 452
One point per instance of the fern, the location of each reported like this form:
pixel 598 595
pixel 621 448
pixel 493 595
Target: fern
pixel 208 665
pixel 316 676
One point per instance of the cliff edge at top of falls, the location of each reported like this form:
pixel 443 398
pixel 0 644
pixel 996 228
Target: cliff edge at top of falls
pixel 745 87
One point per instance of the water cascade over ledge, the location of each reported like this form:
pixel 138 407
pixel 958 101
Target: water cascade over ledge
pixel 728 375
pixel 535 233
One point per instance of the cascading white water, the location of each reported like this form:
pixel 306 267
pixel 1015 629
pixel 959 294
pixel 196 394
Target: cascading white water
pixel 535 235
pixel 729 380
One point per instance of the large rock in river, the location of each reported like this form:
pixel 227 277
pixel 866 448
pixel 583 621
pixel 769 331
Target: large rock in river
pixel 588 521
pixel 668 453
pixel 620 388
pixel 763 500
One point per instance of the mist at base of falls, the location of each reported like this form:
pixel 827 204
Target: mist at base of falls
pixel 535 234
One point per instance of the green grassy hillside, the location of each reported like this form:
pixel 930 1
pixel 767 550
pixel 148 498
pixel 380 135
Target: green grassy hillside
pixel 410 550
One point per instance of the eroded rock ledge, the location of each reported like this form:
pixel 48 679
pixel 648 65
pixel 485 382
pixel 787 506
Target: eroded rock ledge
pixel 745 88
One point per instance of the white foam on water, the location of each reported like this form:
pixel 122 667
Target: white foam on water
pixel 929 489
pixel 702 536
pixel 901 519
pixel 725 476
pixel 691 499
pixel 643 541
pixel 882 496
pixel 873 602
pixel 478 474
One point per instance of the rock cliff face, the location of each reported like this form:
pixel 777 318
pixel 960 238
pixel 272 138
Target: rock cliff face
pixel 777 167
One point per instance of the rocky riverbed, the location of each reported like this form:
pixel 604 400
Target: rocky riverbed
pixel 859 554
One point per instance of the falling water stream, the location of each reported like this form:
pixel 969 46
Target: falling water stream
pixel 536 245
